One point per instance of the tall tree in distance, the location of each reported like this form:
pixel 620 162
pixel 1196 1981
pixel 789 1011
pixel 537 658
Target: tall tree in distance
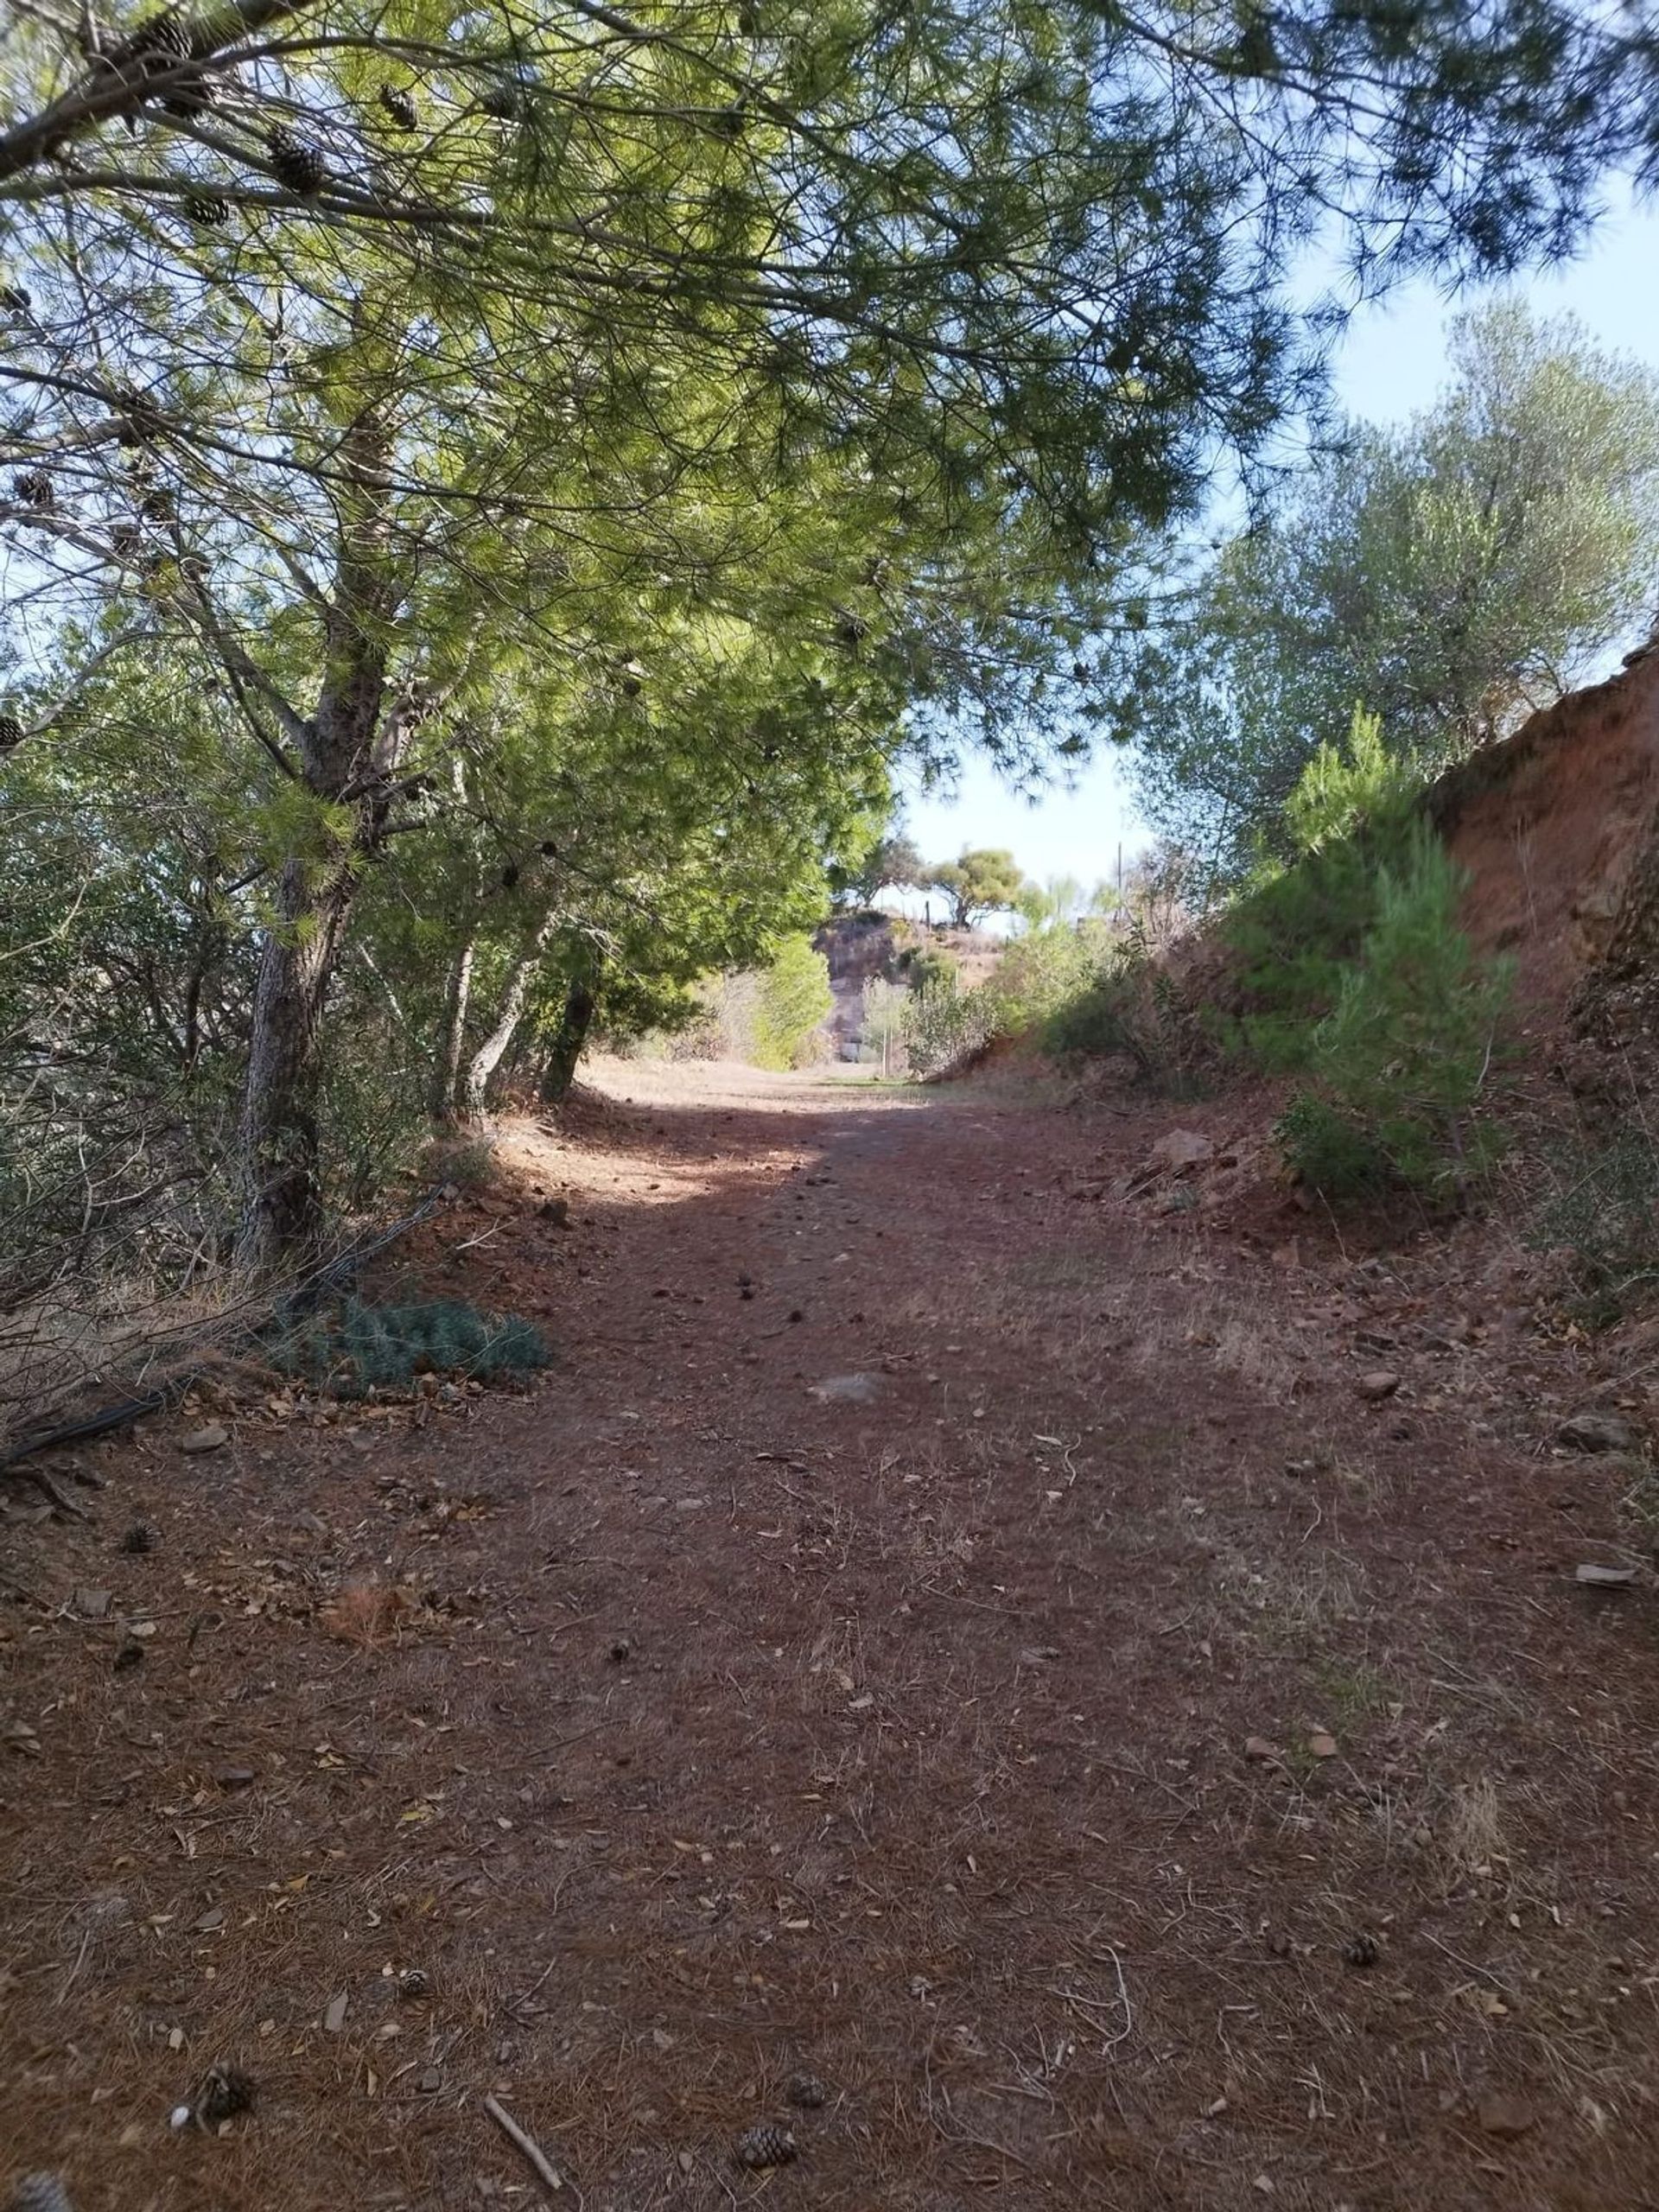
pixel 1447 577
pixel 984 881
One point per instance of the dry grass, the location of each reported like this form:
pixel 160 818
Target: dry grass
pixel 367 1614
pixel 1472 1832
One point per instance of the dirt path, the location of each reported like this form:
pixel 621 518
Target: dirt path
pixel 935 1630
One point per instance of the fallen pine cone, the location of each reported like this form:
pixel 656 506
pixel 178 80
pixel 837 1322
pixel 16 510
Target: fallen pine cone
pixel 226 2092
pixel 806 2091
pixel 764 2145
pixel 1360 1950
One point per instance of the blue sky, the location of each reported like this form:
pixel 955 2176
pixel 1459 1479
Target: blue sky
pixel 1391 362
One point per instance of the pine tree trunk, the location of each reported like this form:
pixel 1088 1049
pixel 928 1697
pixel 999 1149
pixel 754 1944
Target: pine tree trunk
pixel 490 1054
pixel 559 1070
pixel 347 753
pixel 282 1211
pixel 446 1080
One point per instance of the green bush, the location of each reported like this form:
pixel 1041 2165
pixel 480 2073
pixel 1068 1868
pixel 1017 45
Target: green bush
pixel 1131 1006
pixel 929 968
pixel 1036 975
pixel 945 1029
pixel 1296 931
pixel 357 1348
pixel 1330 1151
pixel 1398 1064
pixel 1040 972
pixel 1343 789
pixel 794 997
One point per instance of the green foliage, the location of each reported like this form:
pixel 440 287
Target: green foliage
pixel 1038 972
pixel 793 1000
pixel 881 1031
pixel 1295 930
pixel 1396 1069
pixel 946 1030
pixel 358 1349
pixel 1131 1006
pixel 982 881
pixel 929 968
pixel 1344 790
pixel 893 861
pixel 1060 899
pixel 1292 937
pixel 1453 576
pixel 1332 1151
pixel 1605 1212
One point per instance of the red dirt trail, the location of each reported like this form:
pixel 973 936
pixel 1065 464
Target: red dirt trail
pixel 1125 1767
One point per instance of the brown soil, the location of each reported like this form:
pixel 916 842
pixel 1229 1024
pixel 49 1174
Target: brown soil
pixel 1127 1766
pixel 1551 825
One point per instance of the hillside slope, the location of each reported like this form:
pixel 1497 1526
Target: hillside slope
pixel 1559 829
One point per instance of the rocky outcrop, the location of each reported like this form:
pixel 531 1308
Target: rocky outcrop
pixel 1559 829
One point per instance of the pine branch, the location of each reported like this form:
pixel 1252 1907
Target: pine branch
pixel 121 86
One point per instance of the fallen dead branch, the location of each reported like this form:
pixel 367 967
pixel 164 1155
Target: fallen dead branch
pixel 531 2149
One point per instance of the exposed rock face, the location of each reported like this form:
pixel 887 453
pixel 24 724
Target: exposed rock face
pixel 1616 1002
pixel 1559 829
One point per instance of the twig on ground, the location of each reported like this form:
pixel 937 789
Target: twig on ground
pixel 531 2149
pixel 1469 1965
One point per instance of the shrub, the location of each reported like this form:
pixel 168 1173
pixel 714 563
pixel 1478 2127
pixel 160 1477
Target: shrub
pixel 1132 1005
pixel 945 1030
pixel 1345 789
pixel 881 1031
pixel 1296 931
pixel 358 1348
pixel 1330 1151
pixel 1397 1066
pixel 1040 972
pixel 793 998
pixel 929 968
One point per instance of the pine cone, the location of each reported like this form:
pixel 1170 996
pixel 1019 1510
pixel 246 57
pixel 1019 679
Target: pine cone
pixel 39 2193
pixel 161 41
pixel 399 107
pixel 502 102
pixel 1361 1950
pixel 226 2091
pixel 807 2091
pixel 766 2146
pixel 34 488
pixel 15 300
pixel 295 165
pixel 207 208
pixel 11 732
pixel 414 1981
pixel 141 1537
pixel 141 419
